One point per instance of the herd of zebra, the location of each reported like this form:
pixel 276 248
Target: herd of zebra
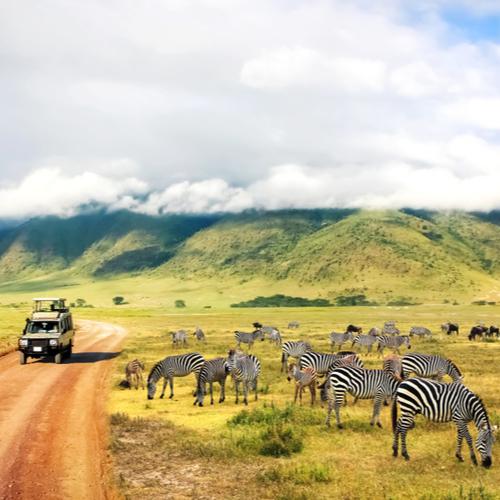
pixel 344 373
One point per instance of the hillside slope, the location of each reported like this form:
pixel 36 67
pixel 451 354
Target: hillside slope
pixel 382 254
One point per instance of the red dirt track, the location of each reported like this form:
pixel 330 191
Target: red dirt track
pixel 53 428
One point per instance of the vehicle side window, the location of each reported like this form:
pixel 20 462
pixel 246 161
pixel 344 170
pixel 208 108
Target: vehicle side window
pixel 63 326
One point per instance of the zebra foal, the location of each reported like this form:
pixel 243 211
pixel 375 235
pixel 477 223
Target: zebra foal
pixel 170 367
pixel 303 378
pixel 442 402
pixel 133 373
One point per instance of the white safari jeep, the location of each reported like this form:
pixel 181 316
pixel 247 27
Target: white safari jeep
pixel 49 331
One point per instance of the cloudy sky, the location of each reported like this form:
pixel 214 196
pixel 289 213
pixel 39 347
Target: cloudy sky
pixel 222 105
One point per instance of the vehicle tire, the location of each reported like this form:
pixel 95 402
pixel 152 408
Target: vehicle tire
pixel 22 358
pixel 58 358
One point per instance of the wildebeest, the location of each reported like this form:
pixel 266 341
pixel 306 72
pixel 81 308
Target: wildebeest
pixel 477 331
pixel 450 328
pixel 493 330
pixel 353 329
pixel 179 338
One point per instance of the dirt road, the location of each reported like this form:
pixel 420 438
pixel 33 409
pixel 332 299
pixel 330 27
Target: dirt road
pixel 53 430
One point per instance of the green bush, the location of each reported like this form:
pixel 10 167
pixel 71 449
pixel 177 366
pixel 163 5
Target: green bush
pixel 353 300
pixel 281 300
pixel 280 441
pixel 180 303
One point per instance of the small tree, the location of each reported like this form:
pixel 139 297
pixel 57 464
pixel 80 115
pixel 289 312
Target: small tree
pixel 80 302
pixel 118 300
pixel 180 303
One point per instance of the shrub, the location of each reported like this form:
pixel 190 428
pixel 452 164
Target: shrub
pixel 280 300
pixel 180 303
pixel 118 300
pixel 280 441
pixel 353 300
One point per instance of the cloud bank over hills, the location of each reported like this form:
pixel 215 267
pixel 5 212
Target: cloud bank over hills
pixel 221 106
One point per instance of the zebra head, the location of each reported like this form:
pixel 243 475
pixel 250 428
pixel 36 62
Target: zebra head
pixel 153 377
pixel 292 368
pixel 484 444
pixel 151 389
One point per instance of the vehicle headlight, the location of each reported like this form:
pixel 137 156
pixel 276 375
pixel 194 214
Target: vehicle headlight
pixel 23 342
pixel 53 342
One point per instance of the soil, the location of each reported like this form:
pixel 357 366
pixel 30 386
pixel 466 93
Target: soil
pixel 53 423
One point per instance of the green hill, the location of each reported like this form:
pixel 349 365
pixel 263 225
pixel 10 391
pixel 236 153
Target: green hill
pixel 384 255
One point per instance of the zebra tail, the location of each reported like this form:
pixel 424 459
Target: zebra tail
pixel 282 357
pixel 394 413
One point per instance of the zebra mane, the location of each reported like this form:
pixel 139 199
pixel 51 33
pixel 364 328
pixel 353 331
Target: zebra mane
pixel 453 365
pixel 155 372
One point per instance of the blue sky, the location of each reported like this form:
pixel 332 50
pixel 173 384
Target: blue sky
pixel 471 25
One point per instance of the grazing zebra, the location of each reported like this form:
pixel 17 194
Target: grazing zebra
pixel 212 370
pixel 450 328
pixel 248 338
pixel 179 338
pixel 392 342
pixel 375 331
pixel 338 339
pixel 199 334
pixel 362 384
pixel 293 325
pixel 303 378
pixel 133 373
pixel 245 369
pixel 173 366
pixel 429 366
pixel 272 333
pixel 477 331
pixel 322 362
pixel 420 331
pixel 364 340
pixel 294 349
pixel 442 402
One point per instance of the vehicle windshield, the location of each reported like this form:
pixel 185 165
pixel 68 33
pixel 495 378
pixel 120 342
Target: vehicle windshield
pixel 43 327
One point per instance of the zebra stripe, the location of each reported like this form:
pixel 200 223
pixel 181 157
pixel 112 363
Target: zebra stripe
pixel 339 339
pixel 364 340
pixel 245 369
pixel 442 402
pixel 170 367
pixel 322 362
pixel 362 384
pixel 295 349
pixel 212 370
pixel 429 366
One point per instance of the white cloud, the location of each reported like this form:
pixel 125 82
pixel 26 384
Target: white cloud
pixel 483 113
pixel 47 191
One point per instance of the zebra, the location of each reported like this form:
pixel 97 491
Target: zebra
pixel 392 342
pixel 293 324
pixel 294 349
pixel 450 328
pixel 303 378
pixel 272 333
pixel 442 402
pixel 390 328
pixel 179 338
pixel 248 338
pixel 244 369
pixel 420 331
pixel 322 362
pixel 133 373
pixel 212 370
pixel 339 339
pixel 375 331
pixel 173 366
pixel 364 340
pixel 362 384
pixel 198 333
pixel 429 366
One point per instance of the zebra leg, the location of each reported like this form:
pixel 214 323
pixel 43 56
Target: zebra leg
pixel 222 391
pixel 329 410
pixel 129 380
pixel 284 359
pixel 256 391
pixel 377 405
pixel 463 432
pixel 296 393
pixel 339 398
pixel 171 383
pixel 403 429
pixel 237 389
pixel 245 392
pixel 165 381
pixel 312 389
pixel 211 384
pixel 142 380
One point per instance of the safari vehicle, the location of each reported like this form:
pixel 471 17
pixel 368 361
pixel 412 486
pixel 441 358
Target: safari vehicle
pixel 49 331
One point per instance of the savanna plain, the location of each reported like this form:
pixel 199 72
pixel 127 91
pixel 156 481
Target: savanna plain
pixel 166 448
